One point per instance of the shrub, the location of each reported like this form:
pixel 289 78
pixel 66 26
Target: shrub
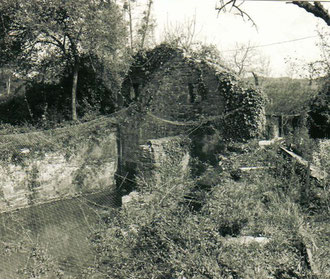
pixel 40 264
pixel 320 112
pixel 301 143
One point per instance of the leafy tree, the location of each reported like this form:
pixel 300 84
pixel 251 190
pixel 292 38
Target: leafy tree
pixel 50 39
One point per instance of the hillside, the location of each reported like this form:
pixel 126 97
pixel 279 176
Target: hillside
pixel 287 95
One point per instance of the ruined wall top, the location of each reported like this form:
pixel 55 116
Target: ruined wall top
pixel 175 86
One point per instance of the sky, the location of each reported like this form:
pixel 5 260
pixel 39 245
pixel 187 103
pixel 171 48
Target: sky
pixel 277 22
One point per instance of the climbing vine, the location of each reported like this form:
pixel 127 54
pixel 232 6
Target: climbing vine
pixel 159 70
pixel 247 107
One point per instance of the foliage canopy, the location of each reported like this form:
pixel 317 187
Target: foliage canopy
pixel 49 39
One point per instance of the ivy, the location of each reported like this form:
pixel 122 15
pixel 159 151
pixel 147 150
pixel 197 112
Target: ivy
pixel 247 103
pixel 244 104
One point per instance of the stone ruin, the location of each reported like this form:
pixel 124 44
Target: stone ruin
pixel 168 93
pixel 173 106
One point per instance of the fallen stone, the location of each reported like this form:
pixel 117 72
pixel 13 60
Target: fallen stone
pixel 255 168
pixel 25 150
pixel 248 240
pixel 264 143
pixel 128 198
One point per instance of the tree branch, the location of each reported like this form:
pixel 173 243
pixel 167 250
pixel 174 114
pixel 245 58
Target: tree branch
pixel 57 42
pixel 232 4
pixel 317 10
pixel 48 43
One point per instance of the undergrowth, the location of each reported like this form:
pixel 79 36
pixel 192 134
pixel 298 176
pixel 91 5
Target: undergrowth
pixel 159 235
pixel 184 227
pixel 13 140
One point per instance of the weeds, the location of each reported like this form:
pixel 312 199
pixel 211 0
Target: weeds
pixel 182 227
pixel 158 235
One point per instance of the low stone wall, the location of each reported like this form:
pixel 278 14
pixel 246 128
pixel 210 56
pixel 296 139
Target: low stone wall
pixel 164 157
pixel 35 177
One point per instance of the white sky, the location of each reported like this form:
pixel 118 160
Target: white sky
pixel 276 21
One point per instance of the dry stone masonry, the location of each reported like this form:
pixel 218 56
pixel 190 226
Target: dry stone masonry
pixel 29 176
pixel 172 106
pixel 170 93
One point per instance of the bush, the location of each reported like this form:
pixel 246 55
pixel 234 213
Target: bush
pixel 320 112
pixel 301 143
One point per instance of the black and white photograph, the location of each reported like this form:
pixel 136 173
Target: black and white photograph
pixel 164 139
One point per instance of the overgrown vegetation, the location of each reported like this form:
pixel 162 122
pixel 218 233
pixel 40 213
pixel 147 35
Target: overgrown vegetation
pixel 161 233
pixel 14 140
pixel 240 113
pixel 220 222
pixel 245 107
pixel 51 43
pixel 288 96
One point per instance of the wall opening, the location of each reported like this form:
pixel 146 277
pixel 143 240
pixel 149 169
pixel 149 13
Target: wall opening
pixel 192 96
pixel 135 92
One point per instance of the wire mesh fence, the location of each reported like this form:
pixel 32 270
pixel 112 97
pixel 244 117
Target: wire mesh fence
pixel 56 235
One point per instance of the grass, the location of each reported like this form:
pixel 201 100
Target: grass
pixel 38 141
pixel 161 235
pixel 192 227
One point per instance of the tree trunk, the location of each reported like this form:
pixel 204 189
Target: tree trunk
pixel 74 91
pixel 130 24
pixel 256 79
pixel 146 29
pixel 316 8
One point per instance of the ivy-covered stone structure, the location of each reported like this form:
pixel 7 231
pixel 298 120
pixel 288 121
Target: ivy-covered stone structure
pixel 169 93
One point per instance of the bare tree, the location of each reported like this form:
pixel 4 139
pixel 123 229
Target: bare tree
pixel 147 24
pixel 314 69
pixel 183 35
pixel 324 45
pixel 232 5
pixel 245 59
pixel 128 9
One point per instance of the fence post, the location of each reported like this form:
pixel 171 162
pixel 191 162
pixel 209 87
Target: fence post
pixel 306 188
pixel 282 128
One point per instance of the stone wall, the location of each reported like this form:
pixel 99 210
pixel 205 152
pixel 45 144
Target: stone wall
pixel 31 177
pixel 161 158
pixel 175 86
pixel 139 128
pixel 273 129
pixel 177 89
pixel 283 125
pixel 86 160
